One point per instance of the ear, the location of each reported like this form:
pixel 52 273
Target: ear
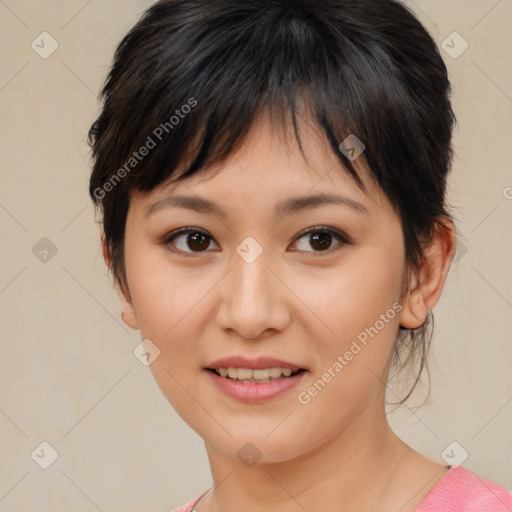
pixel 128 315
pixel 428 282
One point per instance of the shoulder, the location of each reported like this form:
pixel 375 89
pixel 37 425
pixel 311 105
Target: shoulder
pixel 461 490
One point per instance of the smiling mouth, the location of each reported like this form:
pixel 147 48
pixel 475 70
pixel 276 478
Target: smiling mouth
pixel 255 376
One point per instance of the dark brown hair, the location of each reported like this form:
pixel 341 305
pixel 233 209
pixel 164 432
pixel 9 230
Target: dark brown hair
pixel 191 77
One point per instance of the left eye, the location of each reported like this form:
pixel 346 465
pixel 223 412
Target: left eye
pixel 320 238
pixel 195 240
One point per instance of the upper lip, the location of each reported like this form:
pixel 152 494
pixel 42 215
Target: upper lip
pixel 255 364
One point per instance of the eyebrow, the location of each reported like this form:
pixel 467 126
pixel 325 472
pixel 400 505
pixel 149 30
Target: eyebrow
pixel 287 207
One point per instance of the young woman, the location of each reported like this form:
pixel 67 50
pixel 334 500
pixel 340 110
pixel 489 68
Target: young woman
pixel 271 176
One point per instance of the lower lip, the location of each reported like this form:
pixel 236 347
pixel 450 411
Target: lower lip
pixel 254 392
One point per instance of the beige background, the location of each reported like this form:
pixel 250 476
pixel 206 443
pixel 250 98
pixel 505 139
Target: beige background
pixel 68 374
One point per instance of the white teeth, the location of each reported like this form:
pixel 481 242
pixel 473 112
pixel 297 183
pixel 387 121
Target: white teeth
pixel 262 375
pixel 257 374
pixel 276 372
pixel 242 373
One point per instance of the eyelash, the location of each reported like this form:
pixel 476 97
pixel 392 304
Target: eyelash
pixel 317 229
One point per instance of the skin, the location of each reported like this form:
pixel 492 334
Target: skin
pixel 305 306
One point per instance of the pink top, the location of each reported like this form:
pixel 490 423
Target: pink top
pixel 460 490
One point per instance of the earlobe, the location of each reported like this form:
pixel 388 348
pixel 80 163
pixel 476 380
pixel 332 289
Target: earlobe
pixel 128 313
pixel 428 282
pixel 105 251
pixel 415 310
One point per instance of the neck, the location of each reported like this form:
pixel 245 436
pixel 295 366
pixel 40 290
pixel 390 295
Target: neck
pixel 351 471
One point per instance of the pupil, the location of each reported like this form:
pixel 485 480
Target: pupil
pixel 198 240
pixel 324 242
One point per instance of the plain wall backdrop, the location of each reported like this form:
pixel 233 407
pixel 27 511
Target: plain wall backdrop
pixel 68 373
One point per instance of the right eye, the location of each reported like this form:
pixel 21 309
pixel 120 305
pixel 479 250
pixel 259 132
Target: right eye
pixel 188 240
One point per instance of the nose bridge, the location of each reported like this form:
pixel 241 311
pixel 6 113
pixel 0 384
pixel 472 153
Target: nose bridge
pixel 251 277
pixel 251 299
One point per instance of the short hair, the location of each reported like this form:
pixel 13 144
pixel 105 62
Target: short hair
pixel 189 80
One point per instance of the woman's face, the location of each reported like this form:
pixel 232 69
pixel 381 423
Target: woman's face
pixel 245 283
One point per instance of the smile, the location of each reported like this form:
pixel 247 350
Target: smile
pixel 255 375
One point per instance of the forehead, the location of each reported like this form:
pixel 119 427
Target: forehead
pixel 269 169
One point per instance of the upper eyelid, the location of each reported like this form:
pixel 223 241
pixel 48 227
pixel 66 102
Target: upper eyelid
pixel 321 228
pixel 300 234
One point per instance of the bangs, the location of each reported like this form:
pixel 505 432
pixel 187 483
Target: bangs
pixel 233 66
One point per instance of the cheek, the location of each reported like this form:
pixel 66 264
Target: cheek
pixel 355 295
pixel 359 305
pixel 354 359
pixel 168 303
pixel 163 294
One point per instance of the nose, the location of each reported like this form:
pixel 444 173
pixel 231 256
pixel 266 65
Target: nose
pixel 254 299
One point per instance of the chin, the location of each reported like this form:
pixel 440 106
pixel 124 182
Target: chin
pixel 256 445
